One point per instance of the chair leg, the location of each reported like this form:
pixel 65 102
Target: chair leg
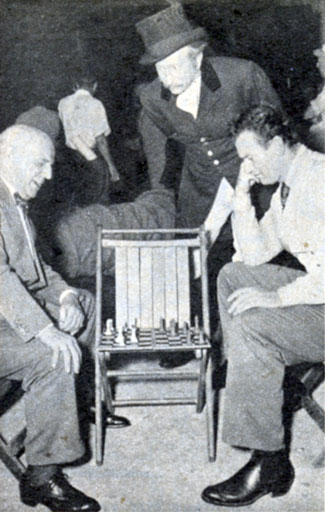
pixel 15 466
pixel 107 388
pixel 98 413
pixel 201 382
pixel 211 422
pixel 314 410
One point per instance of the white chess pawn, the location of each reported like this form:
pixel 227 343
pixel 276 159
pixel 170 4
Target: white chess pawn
pixel 109 327
pixel 120 340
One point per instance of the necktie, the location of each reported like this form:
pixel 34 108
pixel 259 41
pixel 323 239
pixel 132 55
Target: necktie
pixel 284 192
pixel 22 206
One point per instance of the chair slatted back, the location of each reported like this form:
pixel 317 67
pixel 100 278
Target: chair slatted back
pixel 151 283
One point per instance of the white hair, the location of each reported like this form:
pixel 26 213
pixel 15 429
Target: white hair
pixel 16 140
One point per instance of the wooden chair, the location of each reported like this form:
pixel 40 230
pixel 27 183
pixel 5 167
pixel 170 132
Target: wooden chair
pixel 304 380
pixel 153 314
pixel 10 451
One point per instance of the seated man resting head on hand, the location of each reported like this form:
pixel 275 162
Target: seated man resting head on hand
pixel 271 316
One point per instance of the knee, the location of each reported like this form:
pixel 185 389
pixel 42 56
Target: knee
pixel 227 271
pixel 40 367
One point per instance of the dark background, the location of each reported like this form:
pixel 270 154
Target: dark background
pixel 46 44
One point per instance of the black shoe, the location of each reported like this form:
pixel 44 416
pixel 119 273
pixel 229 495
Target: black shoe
pixel 113 421
pixel 265 473
pixel 174 360
pixel 110 420
pixel 57 494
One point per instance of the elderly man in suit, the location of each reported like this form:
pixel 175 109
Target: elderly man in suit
pixel 186 112
pixel 40 317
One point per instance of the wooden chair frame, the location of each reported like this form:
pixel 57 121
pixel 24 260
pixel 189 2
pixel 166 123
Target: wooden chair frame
pixel 10 452
pixel 197 338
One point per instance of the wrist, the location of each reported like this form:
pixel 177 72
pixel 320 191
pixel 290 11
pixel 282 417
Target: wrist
pixel 46 331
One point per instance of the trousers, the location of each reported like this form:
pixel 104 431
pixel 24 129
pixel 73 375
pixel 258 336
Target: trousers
pixel 259 344
pixel 51 413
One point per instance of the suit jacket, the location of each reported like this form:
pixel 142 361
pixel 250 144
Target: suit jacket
pixel 205 149
pixel 27 301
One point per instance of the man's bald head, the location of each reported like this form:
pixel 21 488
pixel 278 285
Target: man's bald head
pixel 26 158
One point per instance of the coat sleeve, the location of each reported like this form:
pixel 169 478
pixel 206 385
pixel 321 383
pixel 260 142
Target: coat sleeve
pixel 154 146
pixel 17 305
pixel 262 90
pixel 55 285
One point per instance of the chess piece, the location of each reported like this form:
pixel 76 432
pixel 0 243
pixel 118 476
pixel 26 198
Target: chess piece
pixel 109 331
pixel 162 325
pixel 172 327
pixel 134 337
pixel 120 338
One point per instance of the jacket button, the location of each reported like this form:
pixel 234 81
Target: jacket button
pixel 216 162
pixel 202 139
pixel 210 153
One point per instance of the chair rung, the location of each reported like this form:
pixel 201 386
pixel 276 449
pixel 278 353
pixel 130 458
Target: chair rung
pixel 158 401
pixel 16 445
pixel 159 375
pixel 314 410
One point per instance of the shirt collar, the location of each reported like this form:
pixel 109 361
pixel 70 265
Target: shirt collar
pixel 290 178
pixel 189 99
pixel 9 187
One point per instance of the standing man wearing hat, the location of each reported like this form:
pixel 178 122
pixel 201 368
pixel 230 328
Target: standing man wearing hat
pixel 185 118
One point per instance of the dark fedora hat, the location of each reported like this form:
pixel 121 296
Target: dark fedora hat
pixel 166 32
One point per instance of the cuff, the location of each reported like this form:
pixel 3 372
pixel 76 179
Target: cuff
pixel 45 328
pixel 66 292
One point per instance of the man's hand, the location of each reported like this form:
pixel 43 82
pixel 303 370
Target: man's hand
pixel 246 178
pixel 64 344
pixel 71 315
pixel 247 298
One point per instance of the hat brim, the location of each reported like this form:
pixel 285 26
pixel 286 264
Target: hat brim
pixel 166 47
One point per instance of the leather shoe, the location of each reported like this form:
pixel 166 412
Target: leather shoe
pixel 113 421
pixel 110 420
pixel 266 472
pixel 175 360
pixel 57 494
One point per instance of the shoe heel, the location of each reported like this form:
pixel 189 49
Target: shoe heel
pixel 282 488
pixel 28 498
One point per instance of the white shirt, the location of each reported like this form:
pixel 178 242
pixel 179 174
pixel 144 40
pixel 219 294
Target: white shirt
pixel 299 228
pixel 189 100
pixel 83 116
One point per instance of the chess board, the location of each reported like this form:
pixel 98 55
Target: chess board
pixel 155 339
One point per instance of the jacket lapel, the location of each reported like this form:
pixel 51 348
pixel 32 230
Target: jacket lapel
pixel 15 238
pixel 210 89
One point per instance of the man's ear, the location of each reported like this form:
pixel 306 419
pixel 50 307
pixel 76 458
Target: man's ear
pixel 278 145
